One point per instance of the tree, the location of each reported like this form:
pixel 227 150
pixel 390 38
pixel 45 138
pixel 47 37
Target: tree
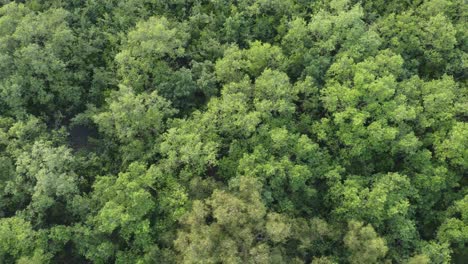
pixel 135 122
pixel 39 71
pixel 19 243
pixel 130 215
pixel 222 131
pixel 46 177
pixel 331 34
pixel 253 61
pixel 415 35
pixel 233 228
pixel 363 244
pixel 454 230
pixel 152 59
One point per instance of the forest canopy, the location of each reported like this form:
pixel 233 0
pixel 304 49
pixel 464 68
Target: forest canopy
pixel 233 131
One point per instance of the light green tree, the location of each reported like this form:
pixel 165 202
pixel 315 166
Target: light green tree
pixel 363 244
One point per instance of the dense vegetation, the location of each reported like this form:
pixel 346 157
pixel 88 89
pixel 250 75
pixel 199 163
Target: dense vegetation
pixel 233 131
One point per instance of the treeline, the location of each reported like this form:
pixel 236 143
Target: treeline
pixel 233 131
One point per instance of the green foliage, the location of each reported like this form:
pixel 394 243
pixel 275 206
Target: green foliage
pixel 137 140
pixel 426 38
pixel 256 131
pixel 455 229
pixel 240 229
pixel 39 70
pixel 364 244
pixel 46 173
pixel 252 62
pixel 150 57
pixel 18 242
